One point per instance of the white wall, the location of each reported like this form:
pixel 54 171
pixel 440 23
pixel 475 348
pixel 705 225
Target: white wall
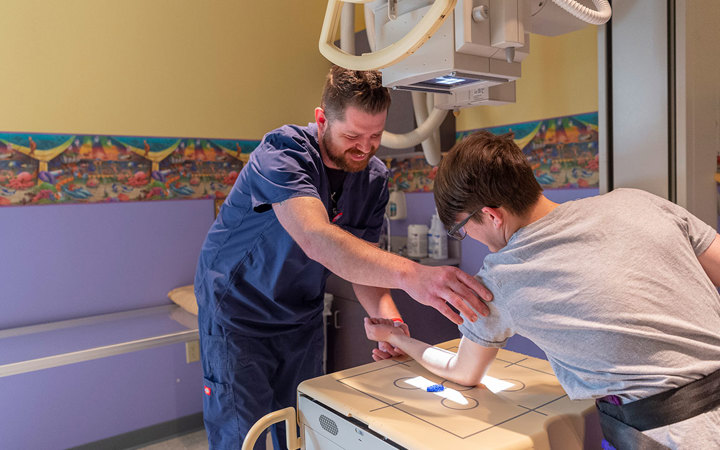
pixel 669 153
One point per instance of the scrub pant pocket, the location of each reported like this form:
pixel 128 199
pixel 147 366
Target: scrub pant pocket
pixel 219 409
pixel 219 414
pixel 249 377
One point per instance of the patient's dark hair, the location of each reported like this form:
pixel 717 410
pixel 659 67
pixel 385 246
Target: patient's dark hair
pixel 482 170
pixel 362 89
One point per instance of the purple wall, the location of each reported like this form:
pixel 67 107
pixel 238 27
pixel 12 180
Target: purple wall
pixel 421 207
pixel 67 261
pixel 85 402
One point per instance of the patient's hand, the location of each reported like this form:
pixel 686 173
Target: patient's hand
pixel 381 330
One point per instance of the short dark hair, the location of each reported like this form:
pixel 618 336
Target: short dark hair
pixel 482 170
pixel 362 89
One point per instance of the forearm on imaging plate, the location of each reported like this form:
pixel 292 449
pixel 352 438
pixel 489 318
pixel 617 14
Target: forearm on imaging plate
pixel 466 367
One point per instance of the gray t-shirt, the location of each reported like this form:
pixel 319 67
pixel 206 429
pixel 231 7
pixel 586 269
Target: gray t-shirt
pixel 611 289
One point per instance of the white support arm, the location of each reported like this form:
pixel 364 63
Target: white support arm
pixel 389 55
pixel 422 103
pixel 599 17
pixel 416 136
pixel 347 29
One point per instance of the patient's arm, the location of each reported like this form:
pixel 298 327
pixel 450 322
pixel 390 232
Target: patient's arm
pixel 710 261
pixel 466 367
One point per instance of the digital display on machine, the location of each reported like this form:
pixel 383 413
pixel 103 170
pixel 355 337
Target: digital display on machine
pixel 448 83
pixel 449 80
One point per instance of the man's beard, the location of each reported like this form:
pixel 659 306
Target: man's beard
pixel 341 158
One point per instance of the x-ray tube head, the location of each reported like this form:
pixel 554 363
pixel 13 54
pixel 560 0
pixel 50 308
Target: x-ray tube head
pixel 461 48
pixel 440 65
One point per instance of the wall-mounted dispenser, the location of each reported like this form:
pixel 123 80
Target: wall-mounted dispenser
pixel 396 207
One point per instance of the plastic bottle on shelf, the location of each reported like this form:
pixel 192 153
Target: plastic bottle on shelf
pixel 437 239
pixel 417 241
pixel 396 207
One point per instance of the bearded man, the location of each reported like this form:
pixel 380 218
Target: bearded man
pixel 311 200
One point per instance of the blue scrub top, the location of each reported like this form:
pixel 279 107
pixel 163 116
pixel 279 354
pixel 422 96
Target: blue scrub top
pixel 252 278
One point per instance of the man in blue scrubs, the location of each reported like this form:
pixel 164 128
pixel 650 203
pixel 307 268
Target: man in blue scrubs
pixel 311 200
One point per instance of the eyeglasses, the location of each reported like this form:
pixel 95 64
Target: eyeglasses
pixel 458 230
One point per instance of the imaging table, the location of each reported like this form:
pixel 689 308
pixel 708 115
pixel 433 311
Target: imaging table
pixel 385 404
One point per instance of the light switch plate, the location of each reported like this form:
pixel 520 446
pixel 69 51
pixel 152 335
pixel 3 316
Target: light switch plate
pixel 192 351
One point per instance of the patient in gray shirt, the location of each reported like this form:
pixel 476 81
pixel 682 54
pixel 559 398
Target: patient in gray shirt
pixel 610 288
pixel 619 290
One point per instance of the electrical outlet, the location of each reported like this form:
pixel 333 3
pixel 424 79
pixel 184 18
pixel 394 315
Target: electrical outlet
pixel 192 351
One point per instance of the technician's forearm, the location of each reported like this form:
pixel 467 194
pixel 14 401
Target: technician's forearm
pixel 353 259
pixel 356 260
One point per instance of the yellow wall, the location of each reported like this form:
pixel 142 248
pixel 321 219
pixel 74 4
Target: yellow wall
pixel 559 78
pixel 210 68
pixel 216 68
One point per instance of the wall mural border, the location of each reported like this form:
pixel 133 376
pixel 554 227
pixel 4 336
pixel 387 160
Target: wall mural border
pixel 38 168
pixel 563 152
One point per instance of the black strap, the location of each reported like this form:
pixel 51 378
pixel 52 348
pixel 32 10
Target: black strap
pixel 669 407
pixel 625 437
pixel 336 178
pixel 622 425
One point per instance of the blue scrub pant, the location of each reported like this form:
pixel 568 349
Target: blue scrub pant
pixel 248 377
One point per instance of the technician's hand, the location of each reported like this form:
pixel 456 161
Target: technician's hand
pixel 442 286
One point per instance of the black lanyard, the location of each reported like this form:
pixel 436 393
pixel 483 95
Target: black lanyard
pixel 336 180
